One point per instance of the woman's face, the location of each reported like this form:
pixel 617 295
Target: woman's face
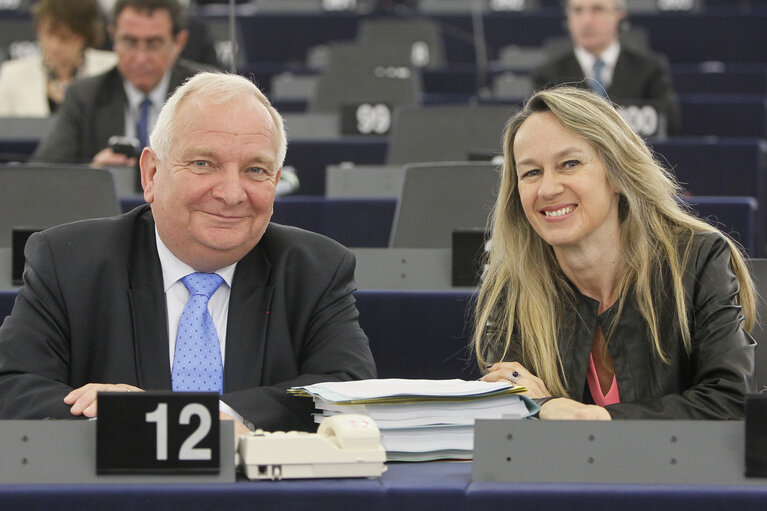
pixel 59 45
pixel 563 185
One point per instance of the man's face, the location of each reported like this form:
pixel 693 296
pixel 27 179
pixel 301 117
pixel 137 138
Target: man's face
pixel 145 46
pixel 593 24
pixel 213 197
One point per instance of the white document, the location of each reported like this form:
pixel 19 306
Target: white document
pixel 340 392
pixel 408 415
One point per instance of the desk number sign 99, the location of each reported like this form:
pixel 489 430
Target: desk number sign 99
pixel 157 432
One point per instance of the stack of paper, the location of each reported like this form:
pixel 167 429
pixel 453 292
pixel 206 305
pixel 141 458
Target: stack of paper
pixel 422 419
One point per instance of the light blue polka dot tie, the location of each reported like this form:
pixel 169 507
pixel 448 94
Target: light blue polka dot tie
pixel 197 359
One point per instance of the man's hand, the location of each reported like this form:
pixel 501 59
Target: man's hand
pixel 108 158
pixel 567 409
pixel 83 400
pixel 239 427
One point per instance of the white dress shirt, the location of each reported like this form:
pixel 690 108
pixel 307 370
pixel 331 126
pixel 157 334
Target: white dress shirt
pixel 176 296
pixel 609 57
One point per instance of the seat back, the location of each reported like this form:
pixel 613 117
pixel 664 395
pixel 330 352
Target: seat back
pixel 222 40
pixel 759 274
pixel 359 74
pixel 447 133
pixel 17 37
pixel 420 39
pixel 38 197
pixel 438 198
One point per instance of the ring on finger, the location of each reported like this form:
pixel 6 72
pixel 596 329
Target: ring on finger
pixel 514 377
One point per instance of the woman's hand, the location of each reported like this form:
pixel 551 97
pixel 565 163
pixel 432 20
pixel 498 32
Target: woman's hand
pixel 567 409
pixel 505 371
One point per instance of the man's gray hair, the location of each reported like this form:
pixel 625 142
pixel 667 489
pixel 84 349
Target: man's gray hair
pixel 220 88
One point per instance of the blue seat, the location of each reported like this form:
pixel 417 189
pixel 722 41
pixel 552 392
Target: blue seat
pixel 721 167
pixel 351 222
pixel 310 157
pixel 736 216
pixel 729 115
pixel 719 79
pixel 419 334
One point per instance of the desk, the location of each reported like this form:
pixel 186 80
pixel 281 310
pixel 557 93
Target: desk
pixel 425 487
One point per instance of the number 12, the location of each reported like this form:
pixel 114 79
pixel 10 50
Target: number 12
pixel 189 449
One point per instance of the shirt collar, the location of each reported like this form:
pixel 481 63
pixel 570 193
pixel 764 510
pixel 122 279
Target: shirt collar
pixel 156 95
pixel 174 269
pixel 609 57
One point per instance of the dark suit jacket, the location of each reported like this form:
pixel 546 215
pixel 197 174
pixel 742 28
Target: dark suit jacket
pixel 638 75
pixel 92 111
pixel 92 309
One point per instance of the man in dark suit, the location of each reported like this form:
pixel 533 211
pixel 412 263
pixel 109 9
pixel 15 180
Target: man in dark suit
pixel 148 36
pixel 599 60
pixel 103 303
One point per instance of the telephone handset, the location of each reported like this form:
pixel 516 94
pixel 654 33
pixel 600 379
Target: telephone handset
pixel 345 445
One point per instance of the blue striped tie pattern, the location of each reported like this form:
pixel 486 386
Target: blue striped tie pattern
pixel 197 362
pixel 142 127
pixel 596 83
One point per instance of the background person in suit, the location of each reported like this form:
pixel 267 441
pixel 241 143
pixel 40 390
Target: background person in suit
pixel 68 31
pixel 601 290
pixel 102 300
pixel 148 37
pixel 199 47
pixel 627 73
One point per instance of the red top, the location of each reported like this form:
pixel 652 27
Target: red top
pixel 611 397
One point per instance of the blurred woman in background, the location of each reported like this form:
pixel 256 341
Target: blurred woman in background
pixel 68 31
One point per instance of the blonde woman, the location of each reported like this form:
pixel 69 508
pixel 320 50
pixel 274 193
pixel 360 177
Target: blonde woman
pixel 604 295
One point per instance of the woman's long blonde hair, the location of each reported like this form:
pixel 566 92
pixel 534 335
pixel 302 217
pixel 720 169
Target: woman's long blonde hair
pixel 524 293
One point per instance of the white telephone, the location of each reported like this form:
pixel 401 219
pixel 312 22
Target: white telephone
pixel 345 445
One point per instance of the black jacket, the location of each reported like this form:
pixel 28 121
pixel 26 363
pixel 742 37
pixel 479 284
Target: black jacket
pixel 708 383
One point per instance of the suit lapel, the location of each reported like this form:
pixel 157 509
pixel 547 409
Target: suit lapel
pixel 622 77
pixel 110 118
pixel 573 72
pixel 249 305
pixel 148 310
pixel 177 77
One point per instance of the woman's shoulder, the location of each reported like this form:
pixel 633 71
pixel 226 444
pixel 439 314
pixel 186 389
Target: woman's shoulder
pixel 98 61
pixel 704 242
pixel 22 65
pixel 706 248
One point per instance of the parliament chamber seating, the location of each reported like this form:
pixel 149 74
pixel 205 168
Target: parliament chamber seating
pixel 368 222
pixel 42 196
pixel 719 65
